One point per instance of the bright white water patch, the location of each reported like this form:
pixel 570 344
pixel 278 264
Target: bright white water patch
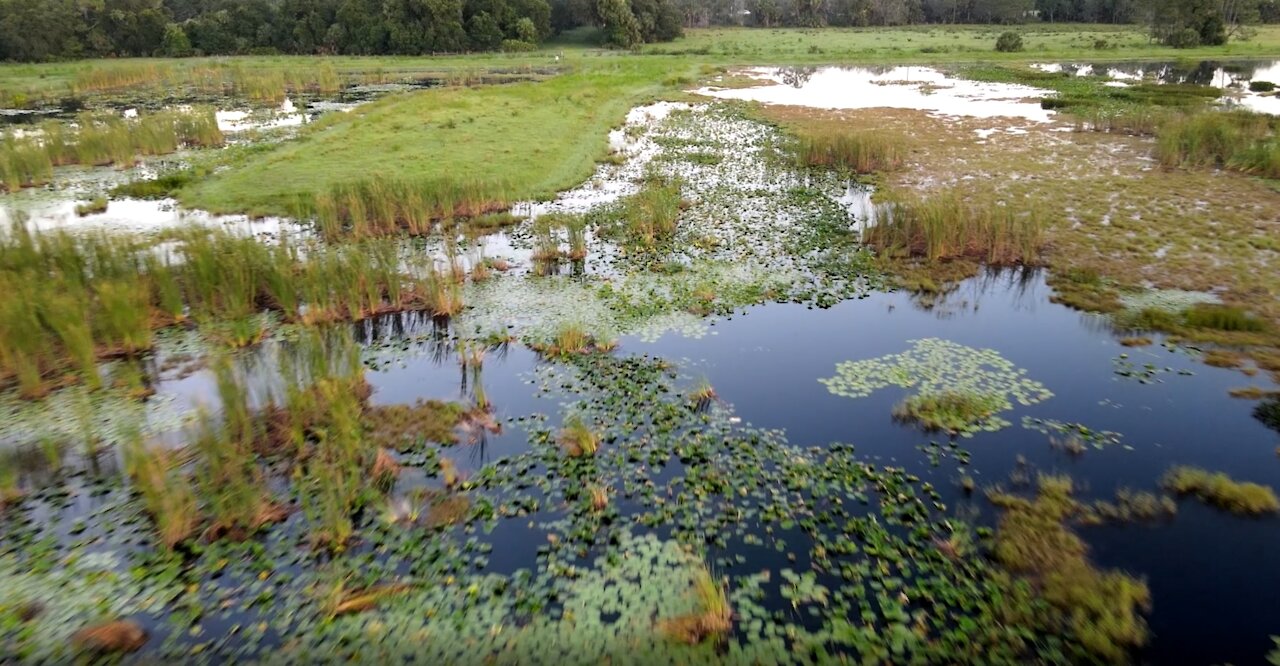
pixel 634 143
pixel 138 216
pixel 919 88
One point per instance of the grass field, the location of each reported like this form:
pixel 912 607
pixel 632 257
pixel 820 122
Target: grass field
pixel 534 138
pixel 921 44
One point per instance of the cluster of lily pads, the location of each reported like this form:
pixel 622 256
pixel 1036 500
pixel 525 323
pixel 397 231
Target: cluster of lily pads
pixel 935 367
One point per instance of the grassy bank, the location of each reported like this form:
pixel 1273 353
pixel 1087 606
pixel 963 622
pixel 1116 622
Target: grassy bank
pixel 532 138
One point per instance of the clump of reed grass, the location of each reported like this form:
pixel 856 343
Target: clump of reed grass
pixel 103 139
pixel 703 394
pixel 949 411
pixel 599 497
pixel 648 218
pixel 569 338
pixel 167 494
pixel 1236 139
pixel 382 205
pixel 1218 489
pixel 230 481
pixel 952 224
pixel 577 439
pixel 858 152
pixel 712 617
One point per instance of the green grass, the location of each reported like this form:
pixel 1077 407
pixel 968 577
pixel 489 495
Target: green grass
pixel 1218 489
pixel 516 141
pixel 947 44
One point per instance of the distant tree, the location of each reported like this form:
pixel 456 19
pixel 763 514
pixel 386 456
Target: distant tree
pixel 175 43
pixel 483 31
pixel 618 22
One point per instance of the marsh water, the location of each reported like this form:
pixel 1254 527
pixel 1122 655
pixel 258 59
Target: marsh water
pixel 1212 575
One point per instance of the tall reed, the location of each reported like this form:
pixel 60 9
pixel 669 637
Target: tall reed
pixel 860 152
pixel 383 205
pixel 952 223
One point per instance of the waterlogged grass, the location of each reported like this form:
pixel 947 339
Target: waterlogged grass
pixel 86 298
pixel 100 140
pixel 520 141
pixel 959 388
pixel 1218 489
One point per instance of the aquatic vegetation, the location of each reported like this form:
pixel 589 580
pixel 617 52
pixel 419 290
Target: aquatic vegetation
pixel 93 207
pixel 403 427
pixel 950 411
pixel 938 368
pixel 1072 432
pixel 1130 506
pixel 953 224
pixel 1218 489
pixel 577 438
pixel 860 152
pixel 1102 608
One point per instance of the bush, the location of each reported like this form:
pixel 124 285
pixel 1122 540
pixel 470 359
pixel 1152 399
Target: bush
pixel 517 46
pixel 1187 38
pixel 1009 42
pixel 1261 86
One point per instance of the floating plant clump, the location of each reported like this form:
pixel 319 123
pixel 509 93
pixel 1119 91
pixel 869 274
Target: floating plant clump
pixel 934 367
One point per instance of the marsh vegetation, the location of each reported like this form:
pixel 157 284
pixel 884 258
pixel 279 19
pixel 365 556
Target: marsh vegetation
pixel 752 383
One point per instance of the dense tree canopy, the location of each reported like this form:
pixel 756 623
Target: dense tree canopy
pixel 50 29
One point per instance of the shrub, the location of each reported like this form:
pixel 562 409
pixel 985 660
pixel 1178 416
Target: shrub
pixel 1261 86
pixel 1009 42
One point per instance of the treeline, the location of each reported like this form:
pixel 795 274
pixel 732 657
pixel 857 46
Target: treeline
pixel 816 13
pixel 33 30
